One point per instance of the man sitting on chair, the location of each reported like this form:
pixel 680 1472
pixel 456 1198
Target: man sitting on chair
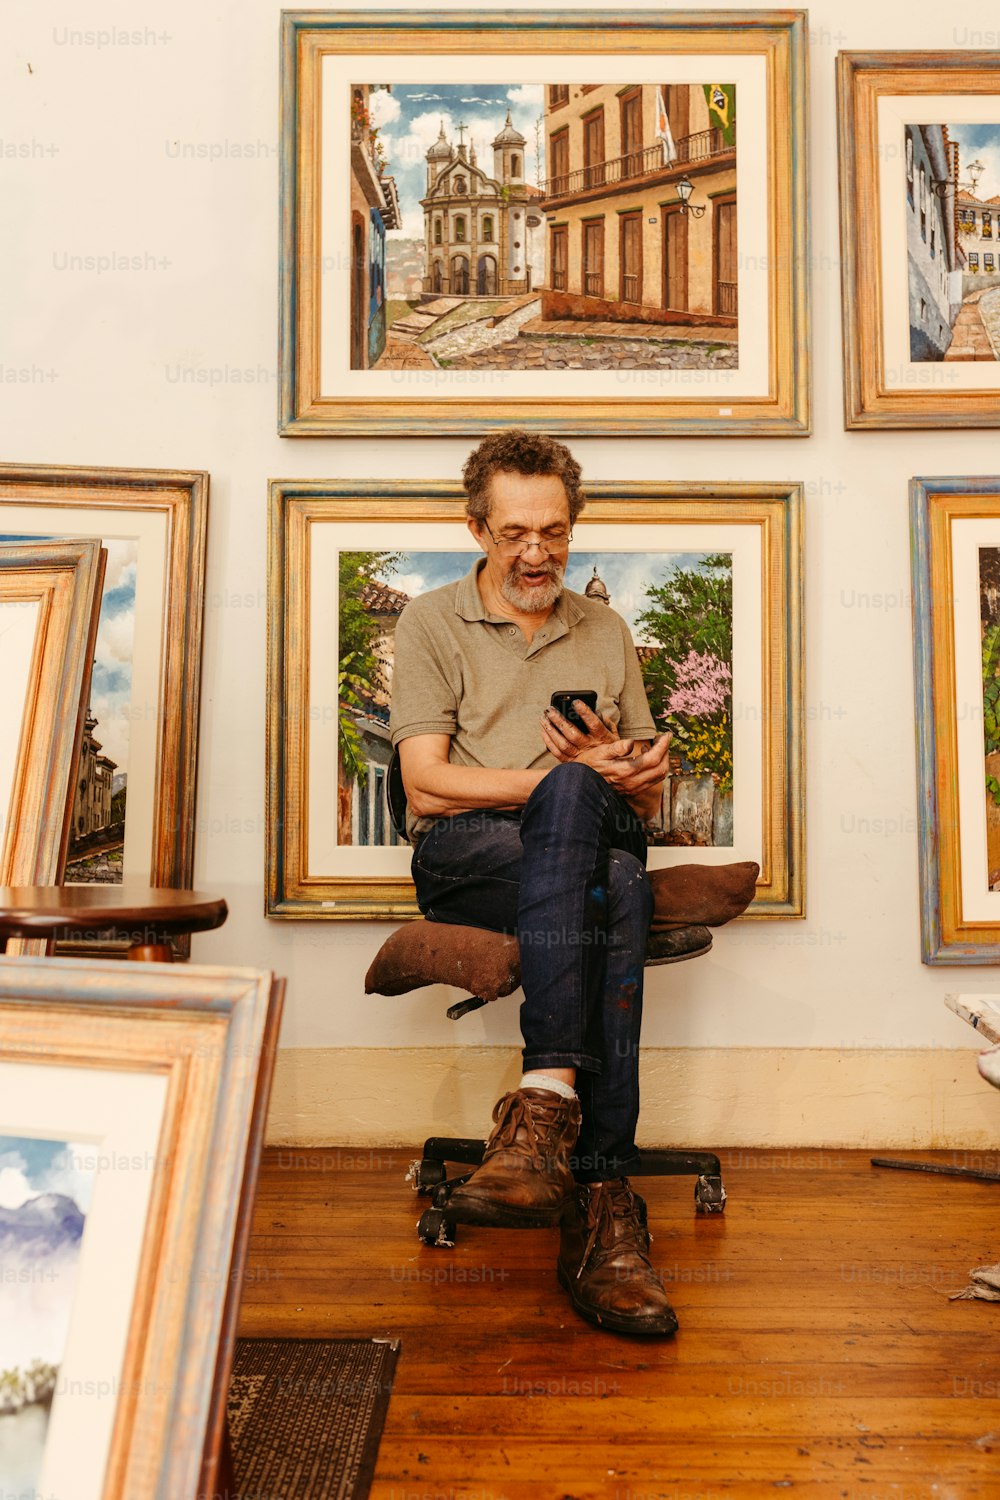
pixel 523 823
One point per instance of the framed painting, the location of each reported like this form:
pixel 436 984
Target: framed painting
pixel 49 597
pixel 709 580
pixel 481 239
pixel 133 814
pixel 955 530
pixel 920 238
pixel 131 1119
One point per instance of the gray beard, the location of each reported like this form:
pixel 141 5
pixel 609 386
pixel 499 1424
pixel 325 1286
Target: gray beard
pixel 531 600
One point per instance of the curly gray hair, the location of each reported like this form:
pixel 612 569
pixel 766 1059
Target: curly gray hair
pixel 518 452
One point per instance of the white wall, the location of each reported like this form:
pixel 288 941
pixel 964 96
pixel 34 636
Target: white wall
pixel 103 126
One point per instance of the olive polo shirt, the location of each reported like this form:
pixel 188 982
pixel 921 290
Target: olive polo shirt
pixel 474 676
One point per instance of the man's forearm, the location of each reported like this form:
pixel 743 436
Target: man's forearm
pixel 442 789
pixel 646 804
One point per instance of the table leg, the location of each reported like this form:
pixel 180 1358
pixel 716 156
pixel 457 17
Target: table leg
pixel 226 1481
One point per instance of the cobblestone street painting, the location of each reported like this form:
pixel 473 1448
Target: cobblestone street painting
pixel 45 1191
pixel 679 608
pixel 543 227
pixel 953 242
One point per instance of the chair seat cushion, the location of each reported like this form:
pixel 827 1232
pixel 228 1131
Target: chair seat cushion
pixel 701 895
pixel 485 963
pixel 488 964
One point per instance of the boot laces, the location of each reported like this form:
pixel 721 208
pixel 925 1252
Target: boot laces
pixel 514 1111
pixel 613 1204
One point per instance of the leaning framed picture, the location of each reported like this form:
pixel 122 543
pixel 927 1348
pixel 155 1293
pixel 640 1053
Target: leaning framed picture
pixel 132 1101
pixel 956 619
pixel 50 592
pixel 133 813
pixel 920 238
pixel 581 221
pixel 709 579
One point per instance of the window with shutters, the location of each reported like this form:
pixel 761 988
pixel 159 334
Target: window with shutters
pixel 560 257
pixel 593 258
pixel 594 166
pixel 559 159
pixel 630 257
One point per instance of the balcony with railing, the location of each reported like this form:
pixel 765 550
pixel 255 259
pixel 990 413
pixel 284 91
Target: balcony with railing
pixel 692 150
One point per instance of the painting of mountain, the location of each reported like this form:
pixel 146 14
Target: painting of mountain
pixel 45 1189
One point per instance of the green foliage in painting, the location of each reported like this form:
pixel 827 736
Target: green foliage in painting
pixel 688 679
pixel 991 695
pixel 359 676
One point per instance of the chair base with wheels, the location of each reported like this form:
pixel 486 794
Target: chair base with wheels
pixel 424 953
pixel 436 1227
pixel 487 965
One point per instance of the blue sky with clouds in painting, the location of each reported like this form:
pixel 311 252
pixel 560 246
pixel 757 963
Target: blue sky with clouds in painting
pixel 979 143
pixel 409 119
pixel 626 575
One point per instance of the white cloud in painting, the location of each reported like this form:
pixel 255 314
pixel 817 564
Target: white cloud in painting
pixel 382 107
pixel 115 637
pixel 423 132
pixel 121 568
pixel 528 95
pixel 70 1173
pixel 410 583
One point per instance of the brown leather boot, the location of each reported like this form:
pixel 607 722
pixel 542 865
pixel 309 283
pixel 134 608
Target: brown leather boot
pixel 603 1263
pixel 525 1180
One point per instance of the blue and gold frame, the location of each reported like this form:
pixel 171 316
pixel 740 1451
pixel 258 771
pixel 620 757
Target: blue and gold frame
pixel 955 545
pixel 460 252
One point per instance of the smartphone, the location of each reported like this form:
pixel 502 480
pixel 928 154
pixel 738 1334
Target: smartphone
pixel 563 703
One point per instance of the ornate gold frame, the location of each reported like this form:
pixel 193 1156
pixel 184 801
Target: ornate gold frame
pixel 212 1032
pixel 64 578
pixel 298 505
pixel 780 36
pixel 181 497
pixel 862 78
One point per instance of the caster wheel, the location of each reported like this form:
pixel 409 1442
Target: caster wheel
pixel 424 1176
pixel 709 1195
pixel 435 1230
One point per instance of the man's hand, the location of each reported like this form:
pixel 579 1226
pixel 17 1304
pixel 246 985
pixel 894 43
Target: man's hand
pixel 638 777
pixel 565 741
pixel 630 774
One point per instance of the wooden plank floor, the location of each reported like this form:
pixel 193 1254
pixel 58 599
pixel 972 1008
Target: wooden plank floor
pixel 818 1353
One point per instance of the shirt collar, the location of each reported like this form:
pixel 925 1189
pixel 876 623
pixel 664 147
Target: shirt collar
pixel 469 603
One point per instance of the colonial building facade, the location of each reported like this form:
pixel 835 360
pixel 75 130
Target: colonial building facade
pixel 374 209
pixel 478 229
pixel 94 785
pixel 621 242
pixel 932 248
pixel 979 237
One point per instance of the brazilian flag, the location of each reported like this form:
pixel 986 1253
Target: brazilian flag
pixel 721 101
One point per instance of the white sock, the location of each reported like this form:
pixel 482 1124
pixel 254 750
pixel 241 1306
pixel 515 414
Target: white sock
pixel 543 1081
pixel 989 1066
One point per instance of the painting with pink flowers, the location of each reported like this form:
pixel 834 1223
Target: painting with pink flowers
pixel 679 608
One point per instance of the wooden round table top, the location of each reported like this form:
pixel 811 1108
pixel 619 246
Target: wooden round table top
pixel 53 911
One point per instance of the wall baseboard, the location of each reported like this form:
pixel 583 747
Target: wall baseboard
pixel 906 1098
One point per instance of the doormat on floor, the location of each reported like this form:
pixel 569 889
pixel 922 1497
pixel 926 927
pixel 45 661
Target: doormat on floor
pixel 306 1416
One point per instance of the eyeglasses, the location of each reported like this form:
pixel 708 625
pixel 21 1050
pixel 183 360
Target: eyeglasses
pixel 514 546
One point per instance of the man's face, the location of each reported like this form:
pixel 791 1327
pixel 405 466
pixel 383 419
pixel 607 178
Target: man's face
pixel 523 506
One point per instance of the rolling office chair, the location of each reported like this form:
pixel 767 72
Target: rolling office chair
pixel 423 953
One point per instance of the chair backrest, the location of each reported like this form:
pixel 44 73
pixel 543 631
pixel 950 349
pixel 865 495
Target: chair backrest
pixel 395 795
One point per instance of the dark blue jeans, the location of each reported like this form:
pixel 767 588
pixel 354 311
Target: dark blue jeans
pixel 567 873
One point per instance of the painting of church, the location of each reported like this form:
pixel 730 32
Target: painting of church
pixel 477 227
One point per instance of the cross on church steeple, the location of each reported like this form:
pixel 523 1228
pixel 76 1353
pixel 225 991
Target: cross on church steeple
pixel 460 127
